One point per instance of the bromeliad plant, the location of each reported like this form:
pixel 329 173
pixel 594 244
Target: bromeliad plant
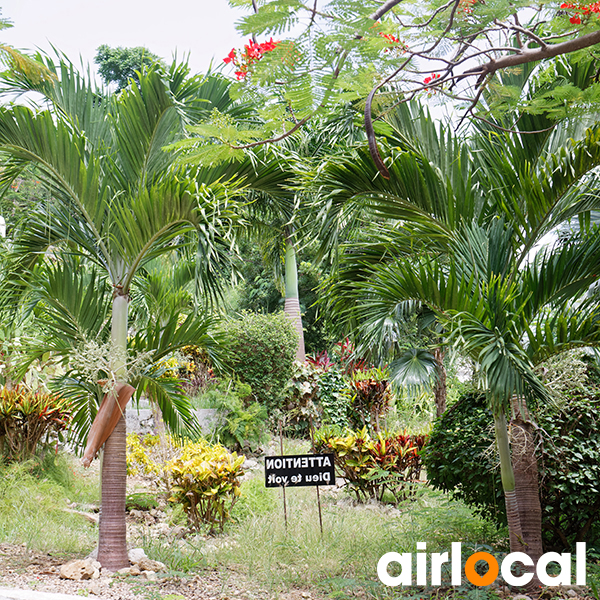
pixel 373 466
pixel 206 482
pixel 26 417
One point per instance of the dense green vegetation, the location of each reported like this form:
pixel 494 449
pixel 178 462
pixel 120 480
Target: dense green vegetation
pixel 154 241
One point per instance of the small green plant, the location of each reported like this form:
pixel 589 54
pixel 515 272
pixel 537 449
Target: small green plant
pixel 375 466
pixel 300 406
pixel 28 419
pixel 206 482
pixel 334 397
pixel 140 501
pixel 240 424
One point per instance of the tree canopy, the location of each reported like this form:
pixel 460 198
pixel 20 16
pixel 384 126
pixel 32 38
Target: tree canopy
pixel 304 58
pixel 120 65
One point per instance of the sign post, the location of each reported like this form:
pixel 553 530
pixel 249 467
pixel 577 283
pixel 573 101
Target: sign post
pixel 300 470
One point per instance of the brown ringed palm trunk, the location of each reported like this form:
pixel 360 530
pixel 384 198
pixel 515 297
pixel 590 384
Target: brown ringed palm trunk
pixel 440 390
pixel 525 467
pixel 112 540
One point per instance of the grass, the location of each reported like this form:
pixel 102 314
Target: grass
pixel 34 497
pixel 340 563
pixel 353 540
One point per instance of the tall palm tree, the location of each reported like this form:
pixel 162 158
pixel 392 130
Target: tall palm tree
pixel 118 202
pixel 464 224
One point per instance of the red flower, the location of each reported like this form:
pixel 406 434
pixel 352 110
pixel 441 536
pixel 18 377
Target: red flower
pixel 576 20
pixel 230 57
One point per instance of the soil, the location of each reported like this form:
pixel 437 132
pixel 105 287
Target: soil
pixel 24 569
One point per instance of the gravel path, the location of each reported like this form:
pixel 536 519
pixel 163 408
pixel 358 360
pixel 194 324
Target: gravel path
pixel 32 572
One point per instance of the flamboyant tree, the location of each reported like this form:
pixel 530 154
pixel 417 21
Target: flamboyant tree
pixel 390 52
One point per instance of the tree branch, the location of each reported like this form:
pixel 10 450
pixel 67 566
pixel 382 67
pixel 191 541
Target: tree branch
pixel 528 56
pixel 384 8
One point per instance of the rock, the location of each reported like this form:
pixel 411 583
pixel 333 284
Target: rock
pixel 249 463
pixel 521 597
pixel 146 564
pixel 80 569
pixel 96 590
pixel 572 593
pixel 124 571
pixel 135 570
pixel 93 555
pixel 136 554
pixel 149 575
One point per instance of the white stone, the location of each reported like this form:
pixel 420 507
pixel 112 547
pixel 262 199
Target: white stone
pixel 136 554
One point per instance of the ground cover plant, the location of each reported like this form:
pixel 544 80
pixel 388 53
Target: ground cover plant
pixel 35 497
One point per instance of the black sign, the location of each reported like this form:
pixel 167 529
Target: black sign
pixel 299 470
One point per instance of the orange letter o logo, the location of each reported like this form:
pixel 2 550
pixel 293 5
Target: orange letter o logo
pixel 473 576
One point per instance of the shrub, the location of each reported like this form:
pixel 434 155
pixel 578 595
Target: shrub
pixel 371 396
pixel 301 406
pixel 26 418
pixel 240 424
pixel 140 459
pixel 460 458
pixel 206 482
pixel 372 466
pixel 260 349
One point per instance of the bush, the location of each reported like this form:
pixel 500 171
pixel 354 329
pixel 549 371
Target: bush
pixel 26 418
pixel 375 465
pixel 206 482
pixel 260 350
pixel 370 396
pixel 461 458
pixel 240 424
pixel 301 406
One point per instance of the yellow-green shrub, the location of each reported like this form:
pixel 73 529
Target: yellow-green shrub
pixel 206 482
pixel 139 455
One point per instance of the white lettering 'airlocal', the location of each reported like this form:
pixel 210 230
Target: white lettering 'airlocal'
pixel 455 560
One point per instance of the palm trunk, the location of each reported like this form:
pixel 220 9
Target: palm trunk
pixel 440 391
pixel 525 467
pixel 112 541
pixel 508 483
pixel 292 304
pixel 515 514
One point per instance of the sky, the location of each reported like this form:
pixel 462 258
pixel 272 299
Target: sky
pixel 202 28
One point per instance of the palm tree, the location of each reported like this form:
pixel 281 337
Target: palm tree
pixel 463 224
pixel 118 202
